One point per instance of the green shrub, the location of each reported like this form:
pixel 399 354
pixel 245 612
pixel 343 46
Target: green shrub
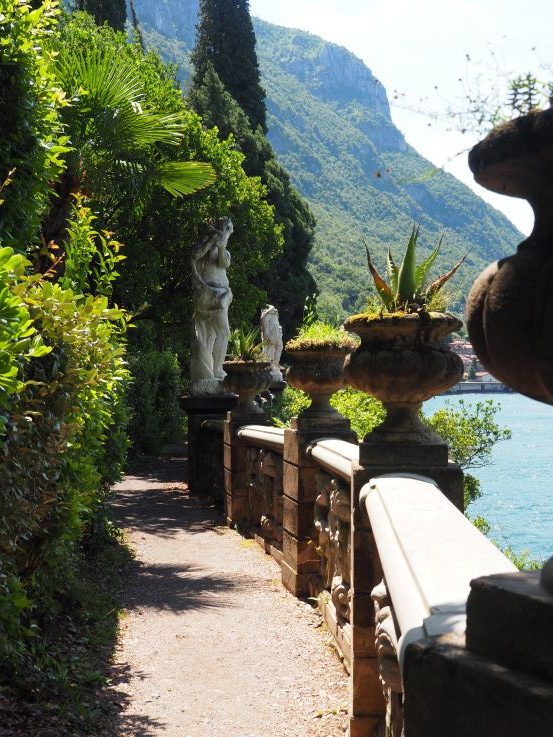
pixel 91 256
pixel 55 470
pixel 154 401
pixel 18 338
pixel 29 120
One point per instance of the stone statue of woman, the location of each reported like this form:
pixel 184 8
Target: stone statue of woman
pixel 271 336
pixel 211 299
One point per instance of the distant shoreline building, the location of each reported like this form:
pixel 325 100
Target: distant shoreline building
pixel 475 378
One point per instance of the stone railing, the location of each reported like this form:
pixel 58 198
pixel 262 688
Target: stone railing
pixel 332 516
pixel 378 537
pixel 259 512
pixel 429 552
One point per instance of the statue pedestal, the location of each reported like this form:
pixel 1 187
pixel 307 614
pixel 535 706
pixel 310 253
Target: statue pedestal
pixel 205 442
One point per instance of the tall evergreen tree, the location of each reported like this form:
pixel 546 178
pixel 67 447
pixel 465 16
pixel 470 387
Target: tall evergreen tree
pixel 287 282
pixel 226 39
pixel 114 12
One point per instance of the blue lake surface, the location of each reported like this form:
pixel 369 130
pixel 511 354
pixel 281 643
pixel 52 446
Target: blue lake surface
pixel 517 487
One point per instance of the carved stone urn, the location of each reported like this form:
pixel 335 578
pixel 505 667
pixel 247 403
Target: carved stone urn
pixel 510 307
pixel 319 372
pixel 247 379
pixel 402 361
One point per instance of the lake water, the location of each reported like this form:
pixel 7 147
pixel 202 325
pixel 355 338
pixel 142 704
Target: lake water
pixel 517 487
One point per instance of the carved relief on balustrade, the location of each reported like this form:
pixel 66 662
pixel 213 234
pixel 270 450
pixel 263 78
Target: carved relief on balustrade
pixel 388 663
pixel 265 493
pixel 332 521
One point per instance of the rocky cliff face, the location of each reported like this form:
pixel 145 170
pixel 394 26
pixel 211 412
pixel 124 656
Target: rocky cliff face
pixel 172 18
pixel 329 71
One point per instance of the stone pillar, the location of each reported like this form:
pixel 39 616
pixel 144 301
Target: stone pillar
pixel 202 456
pixel 300 561
pixel 377 458
pixel 498 682
pixel 235 465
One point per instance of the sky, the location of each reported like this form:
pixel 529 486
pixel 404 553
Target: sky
pixel 416 46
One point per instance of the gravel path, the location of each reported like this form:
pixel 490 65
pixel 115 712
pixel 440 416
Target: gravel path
pixel 212 643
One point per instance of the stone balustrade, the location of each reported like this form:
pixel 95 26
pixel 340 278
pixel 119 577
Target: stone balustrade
pixel 386 551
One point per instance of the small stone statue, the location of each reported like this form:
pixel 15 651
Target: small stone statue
pixel 211 298
pixel 271 336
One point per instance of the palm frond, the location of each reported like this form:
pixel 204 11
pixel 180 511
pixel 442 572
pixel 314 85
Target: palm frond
pixel 184 177
pixel 103 88
pixel 99 77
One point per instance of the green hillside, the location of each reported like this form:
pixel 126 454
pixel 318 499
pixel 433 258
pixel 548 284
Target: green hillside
pixel 330 125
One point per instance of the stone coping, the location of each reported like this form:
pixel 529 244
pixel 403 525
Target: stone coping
pixel 429 552
pixel 262 436
pixel 335 456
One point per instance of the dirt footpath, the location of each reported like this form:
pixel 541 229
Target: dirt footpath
pixel 212 644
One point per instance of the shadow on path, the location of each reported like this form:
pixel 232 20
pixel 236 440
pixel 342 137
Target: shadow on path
pixel 154 499
pixel 178 588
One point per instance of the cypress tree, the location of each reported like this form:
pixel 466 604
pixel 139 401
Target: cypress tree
pixel 114 12
pixel 287 282
pixel 226 39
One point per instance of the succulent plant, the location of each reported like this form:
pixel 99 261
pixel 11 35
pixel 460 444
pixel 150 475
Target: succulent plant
pixel 245 345
pixel 407 289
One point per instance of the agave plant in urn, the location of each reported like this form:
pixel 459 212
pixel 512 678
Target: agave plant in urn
pixel 247 374
pixel 403 358
pixel 316 356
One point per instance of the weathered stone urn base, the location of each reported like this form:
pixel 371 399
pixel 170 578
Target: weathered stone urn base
pixel 247 379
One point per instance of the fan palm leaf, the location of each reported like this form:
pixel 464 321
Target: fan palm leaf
pixel 184 177
pixel 112 129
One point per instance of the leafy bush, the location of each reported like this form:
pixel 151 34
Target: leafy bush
pixel 62 368
pixel 18 338
pixel 91 256
pixel 288 404
pixel 154 400
pixel 54 471
pixel 29 117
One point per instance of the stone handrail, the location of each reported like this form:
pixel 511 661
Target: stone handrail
pixel 335 456
pixel 255 501
pixel 262 436
pixel 333 462
pixel 429 553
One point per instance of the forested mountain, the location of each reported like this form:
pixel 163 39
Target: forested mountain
pixel 329 123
